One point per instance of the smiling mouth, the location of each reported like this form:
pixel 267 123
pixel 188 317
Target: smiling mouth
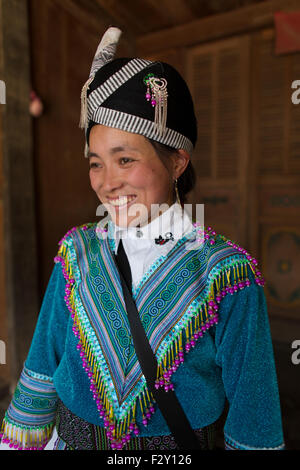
pixel 121 201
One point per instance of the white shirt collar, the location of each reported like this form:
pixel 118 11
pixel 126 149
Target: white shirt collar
pixel 175 222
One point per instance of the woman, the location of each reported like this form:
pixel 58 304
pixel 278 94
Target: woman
pixel 149 323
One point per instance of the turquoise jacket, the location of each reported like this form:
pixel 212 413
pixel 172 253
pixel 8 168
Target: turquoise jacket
pixel 231 360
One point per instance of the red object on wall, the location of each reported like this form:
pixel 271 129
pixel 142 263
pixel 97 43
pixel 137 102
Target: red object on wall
pixel 287 29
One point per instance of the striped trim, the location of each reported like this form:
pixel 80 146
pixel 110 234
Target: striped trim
pixel 34 401
pixel 98 96
pixel 29 419
pixel 231 444
pixel 37 376
pixel 137 125
pixel 60 445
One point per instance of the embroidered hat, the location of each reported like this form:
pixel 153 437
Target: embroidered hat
pixel 137 95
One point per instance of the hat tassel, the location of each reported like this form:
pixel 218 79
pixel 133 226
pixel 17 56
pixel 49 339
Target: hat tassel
pixel 159 100
pixel 84 104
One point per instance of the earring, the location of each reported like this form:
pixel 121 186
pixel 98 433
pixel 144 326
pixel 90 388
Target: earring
pixel 177 193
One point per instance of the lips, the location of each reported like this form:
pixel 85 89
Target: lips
pixel 121 200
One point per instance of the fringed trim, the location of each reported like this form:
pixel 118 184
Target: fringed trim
pixel 23 437
pixel 200 320
pixel 84 104
pixel 210 235
pixel 206 314
pixel 120 431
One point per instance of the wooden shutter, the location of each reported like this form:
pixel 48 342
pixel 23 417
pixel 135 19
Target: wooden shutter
pixel 275 148
pixel 277 119
pixel 218 77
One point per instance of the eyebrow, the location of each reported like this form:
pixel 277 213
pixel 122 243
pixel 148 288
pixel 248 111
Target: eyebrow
pixel 114 150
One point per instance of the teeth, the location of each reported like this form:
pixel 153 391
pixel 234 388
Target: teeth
pixel 121 201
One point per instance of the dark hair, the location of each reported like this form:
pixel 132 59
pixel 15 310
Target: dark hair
pixel 186 182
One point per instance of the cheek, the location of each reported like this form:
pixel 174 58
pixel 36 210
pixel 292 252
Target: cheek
pixel 94 181
pixel 149 177
pixel 158 181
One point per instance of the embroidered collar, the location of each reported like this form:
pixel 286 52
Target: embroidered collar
pixel 177 303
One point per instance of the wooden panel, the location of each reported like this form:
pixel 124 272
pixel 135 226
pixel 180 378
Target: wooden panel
pixel 277 119
pixel 4 368
pixel 242 20
pixel 294 137
pixel 269 115
pixel 138 16
pixel 59 69
pixel 275 194
pixel 172 11
pixel 218 81
pixel 281 268
pixel 201 78
pixel 279 202
pixel 218 76
pixel 221 208
pixel 174 57
pixel 18 195
pixel 228 113
pixel 5 373
pixel 1 138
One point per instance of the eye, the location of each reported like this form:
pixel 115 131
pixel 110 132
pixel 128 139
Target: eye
pixel 94 165
pixel 126 160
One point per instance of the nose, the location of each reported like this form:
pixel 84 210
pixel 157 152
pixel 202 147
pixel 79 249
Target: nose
pixel 112 180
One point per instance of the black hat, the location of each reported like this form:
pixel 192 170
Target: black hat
pixel 139 96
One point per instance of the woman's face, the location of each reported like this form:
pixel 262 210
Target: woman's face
pixel 128 176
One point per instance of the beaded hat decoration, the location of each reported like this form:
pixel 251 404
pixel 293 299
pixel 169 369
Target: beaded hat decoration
pixel 158 97
pixel 137 95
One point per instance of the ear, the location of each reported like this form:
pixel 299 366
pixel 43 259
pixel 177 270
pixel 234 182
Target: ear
pixel 181 161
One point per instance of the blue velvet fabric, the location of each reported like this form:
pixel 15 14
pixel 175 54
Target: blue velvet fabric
pixel 234 361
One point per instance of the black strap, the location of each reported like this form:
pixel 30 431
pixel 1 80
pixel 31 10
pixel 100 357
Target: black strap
pixel 167 401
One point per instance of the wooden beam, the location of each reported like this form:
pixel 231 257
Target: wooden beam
pixel 123 17
pixel 20 243
pixel 239 21
pixel 98 19
pixel 93 21
pixel 172 11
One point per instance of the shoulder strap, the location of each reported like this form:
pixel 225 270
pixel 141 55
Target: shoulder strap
pixel 167 401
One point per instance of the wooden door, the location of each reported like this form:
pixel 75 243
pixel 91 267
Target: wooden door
pixel 276 169
pixel 247 157
pixel 218 76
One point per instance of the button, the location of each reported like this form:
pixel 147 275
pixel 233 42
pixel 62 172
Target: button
pixel 139 233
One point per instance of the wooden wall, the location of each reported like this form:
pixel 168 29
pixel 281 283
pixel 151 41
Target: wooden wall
pixel 248 151
pixel 47 46
pixel 63 44
pixel 247 158
pixel 4 370
pixel 18 229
